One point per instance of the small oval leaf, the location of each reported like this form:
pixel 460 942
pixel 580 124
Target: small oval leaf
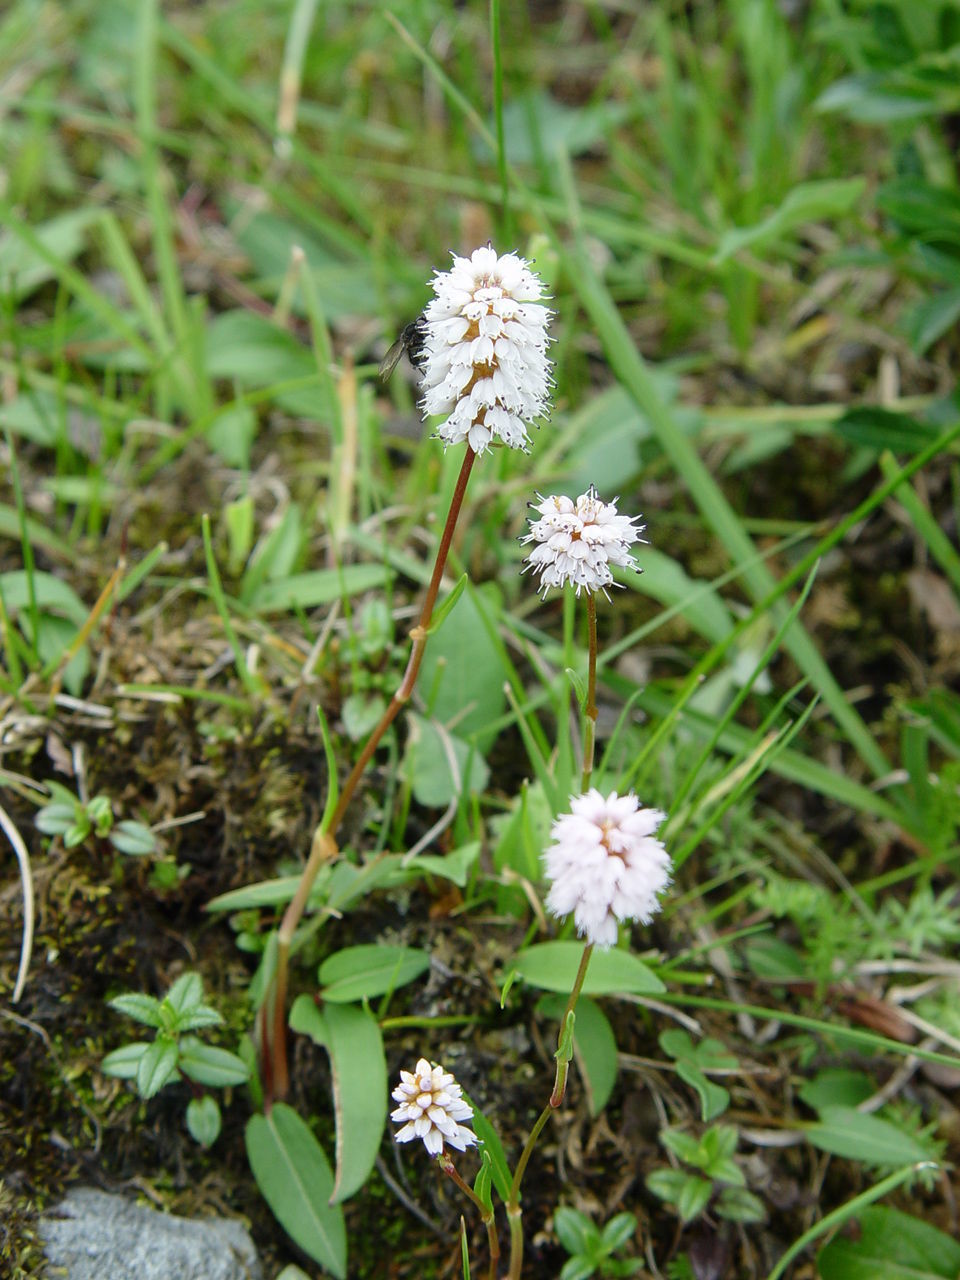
pixel 367 971
pixel 552 966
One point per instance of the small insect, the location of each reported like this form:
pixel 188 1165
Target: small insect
pixel 412 341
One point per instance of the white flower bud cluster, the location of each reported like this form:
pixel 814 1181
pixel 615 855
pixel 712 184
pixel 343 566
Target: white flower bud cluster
pixel 484 363
pixel 577 542
pixel 431 1104
pixel 605 864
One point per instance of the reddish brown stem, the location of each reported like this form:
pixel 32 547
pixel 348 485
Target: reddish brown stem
pixel 324 846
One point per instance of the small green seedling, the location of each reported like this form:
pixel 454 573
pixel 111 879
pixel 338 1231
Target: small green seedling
pixel 75 821
pixel 591 1249
pixel 175 1052
pixel 719 1178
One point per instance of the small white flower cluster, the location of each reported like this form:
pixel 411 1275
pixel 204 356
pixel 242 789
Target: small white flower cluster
pixel 431 1104
pixel 605 864
pixel 484 361
pixel 577 542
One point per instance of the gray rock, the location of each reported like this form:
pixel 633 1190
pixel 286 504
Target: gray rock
pixel 98 1236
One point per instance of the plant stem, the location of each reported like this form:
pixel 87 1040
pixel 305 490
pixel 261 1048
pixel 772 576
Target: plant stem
pixel 486 1215
pixel 324 847
pixel 590 723
pixel 514 1212
pixel 560 1082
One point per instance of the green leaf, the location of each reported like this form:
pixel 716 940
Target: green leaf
pixel 55 819
pixel 427 765
pixel 552 966
pixel 124 1063
pixel 492 1147
pixel 203 1120
pixel 269 893
pixel 454 866
pixel 874 428
pixel 186 994
pixel 807 202
pixel 667 1183
pixel 693 1060
pixel 355 1046
pixel 575 1231
pixel 684 1145
pixel 772 960
pixel 52 595
pixel 443 610
pixel 367 971
pixel 844 1131
pixel 156 1067
pixel 663 579
pixel 135 1004
pixel 693 1198
pixel 208 1065
pixel 930 319
pixel 894 1246
pixel 295 1178
pixel 578 1268
pixel 23 269
pixel 463 671
pixel 231 434
pixel 618 1231
pixel 361 713
pixel 318 587
pixel 737 1204
pixel 594 1046
pixel 835 1087
pixel 133 839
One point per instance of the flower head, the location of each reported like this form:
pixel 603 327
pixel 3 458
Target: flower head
pixel 484 361
pixel 577 542
pixel 605 864
pixel 431 1104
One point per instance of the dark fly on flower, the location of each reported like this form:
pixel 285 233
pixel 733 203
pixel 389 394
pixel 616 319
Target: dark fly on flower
pixel 412 341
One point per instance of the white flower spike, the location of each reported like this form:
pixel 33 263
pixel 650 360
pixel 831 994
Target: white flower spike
pixel 484 362
pixel 431 1104
pixel 606 865
pixel 577 542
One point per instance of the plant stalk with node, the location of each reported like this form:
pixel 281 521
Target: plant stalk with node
pixel 482 356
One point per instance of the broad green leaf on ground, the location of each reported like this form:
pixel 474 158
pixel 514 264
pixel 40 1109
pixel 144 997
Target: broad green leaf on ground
pixel 928 320
pixel 437 779
pixel 231 434
pixel 296 1181
pixel 462 672
pixel 594 1046
pixel 454 866
pixel 367 971
pixel 208 1065
pixel 807 202
pixel 22 269
pixel 247 348
pixel 844 1131
pixel 359 1069
pixel 693 1061
pixel 51 594
pixel 319 586
pixel 552 966
pixel 836 1087
pixel 203 1119
pixel 485 1131
pixel 156 1067
pixel 874 428
pixel 891 1246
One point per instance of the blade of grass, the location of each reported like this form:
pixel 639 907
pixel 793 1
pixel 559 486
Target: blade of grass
pixel 940 546
pixel 26 548
pixel 247 678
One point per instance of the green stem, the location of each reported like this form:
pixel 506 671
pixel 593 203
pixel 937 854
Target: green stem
pixel 514 1212
pixel 324 847
pixel 590 710
pixel 486 1215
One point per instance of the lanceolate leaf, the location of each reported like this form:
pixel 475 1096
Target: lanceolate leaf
pixel 844 1131
pixel 295 1178
pixel 552 966
pixel 892 1245
pixel 359 1093
pixel 367 971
